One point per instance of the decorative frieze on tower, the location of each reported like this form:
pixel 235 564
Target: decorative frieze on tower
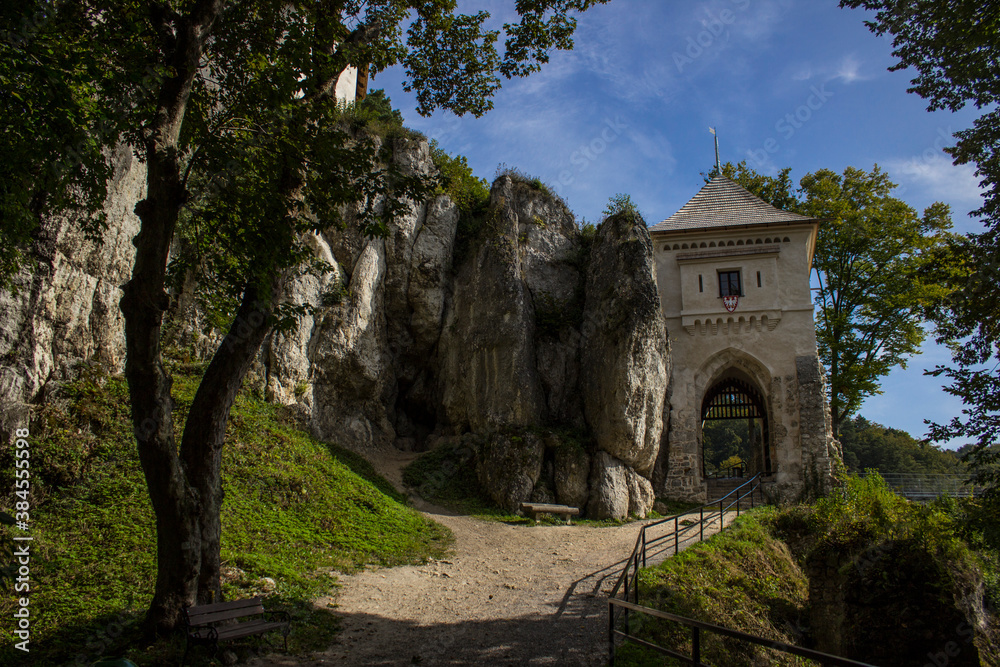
pixel 733 274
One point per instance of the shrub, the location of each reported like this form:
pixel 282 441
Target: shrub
pixel 621 203
pixel 470 193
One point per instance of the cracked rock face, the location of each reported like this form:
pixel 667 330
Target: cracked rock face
pixel 617 490
pixel 66 309
pixel 510 467
pixel 488 373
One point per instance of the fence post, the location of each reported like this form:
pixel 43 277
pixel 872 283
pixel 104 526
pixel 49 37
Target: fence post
pixel 701 523
pixel 677 537
pixel 722 516
pixel 611 634
pixel 696 645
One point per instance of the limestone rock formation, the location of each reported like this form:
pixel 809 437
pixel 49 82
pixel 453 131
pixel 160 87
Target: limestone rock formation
pixel 350 370
pixel 286 356
pixel 488 372
pixel 624 364
pixel 66 308
pixel 510 467
pixel 617 491
pixel 571 475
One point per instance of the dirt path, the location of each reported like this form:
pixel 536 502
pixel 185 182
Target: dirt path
pixel 510 595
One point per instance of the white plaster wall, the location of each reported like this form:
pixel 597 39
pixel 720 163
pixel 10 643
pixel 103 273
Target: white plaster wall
pixel 347 85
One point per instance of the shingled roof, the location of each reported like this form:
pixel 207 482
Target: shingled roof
pixel 724 203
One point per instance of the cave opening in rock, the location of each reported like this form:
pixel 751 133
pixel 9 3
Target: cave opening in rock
pixel 734 433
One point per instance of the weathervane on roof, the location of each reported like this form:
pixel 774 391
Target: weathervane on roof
pixel 718 167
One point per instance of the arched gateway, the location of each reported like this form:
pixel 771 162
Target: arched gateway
pixel 733 274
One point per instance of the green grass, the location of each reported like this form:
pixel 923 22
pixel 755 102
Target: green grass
pixel 742 578
pixel 295 510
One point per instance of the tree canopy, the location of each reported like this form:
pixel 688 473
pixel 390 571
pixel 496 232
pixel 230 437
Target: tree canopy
pixel 871 446
pixel 873 291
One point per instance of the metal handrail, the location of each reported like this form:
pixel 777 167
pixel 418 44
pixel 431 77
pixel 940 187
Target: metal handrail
pixel 628 582
pixel 696 626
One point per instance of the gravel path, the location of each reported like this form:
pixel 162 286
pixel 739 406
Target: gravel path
pixel 510 595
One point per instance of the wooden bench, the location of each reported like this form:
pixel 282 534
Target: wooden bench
pixel 536 509
pixel 213 623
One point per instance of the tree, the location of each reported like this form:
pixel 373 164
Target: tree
pixel 954 47
pixel 880 267
pixel 231 107
pixel 873 291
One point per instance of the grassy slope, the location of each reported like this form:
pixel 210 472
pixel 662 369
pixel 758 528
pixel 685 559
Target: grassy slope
pixel 295 508
pixel 742 578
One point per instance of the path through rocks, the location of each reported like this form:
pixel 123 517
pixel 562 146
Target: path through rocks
pixel 509 595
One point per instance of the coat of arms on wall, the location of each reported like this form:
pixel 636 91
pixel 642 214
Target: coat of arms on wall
pixel 731 302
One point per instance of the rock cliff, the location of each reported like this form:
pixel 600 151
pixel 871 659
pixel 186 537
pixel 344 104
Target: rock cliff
pixel 544 348
pixel 65 309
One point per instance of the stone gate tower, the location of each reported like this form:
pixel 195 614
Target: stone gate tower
pixel 733 274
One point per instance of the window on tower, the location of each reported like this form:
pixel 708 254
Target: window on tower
pixel 729 283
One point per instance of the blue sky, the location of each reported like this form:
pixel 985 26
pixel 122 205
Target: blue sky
pixel 787 83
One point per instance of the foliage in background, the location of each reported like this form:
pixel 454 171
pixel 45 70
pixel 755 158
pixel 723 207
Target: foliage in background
pixel 724 439
pixel 955 51
pixel 778 191
pixel 376 108
pixel 873 293
pixel 868 445
pixel 296 510
pixel 621 203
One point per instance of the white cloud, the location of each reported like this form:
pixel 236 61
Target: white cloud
pixel 803 72
pixel 848 70
pixel 933 173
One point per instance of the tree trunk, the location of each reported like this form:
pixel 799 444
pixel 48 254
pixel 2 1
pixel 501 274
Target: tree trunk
pixel 143 303
pixel 205 430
